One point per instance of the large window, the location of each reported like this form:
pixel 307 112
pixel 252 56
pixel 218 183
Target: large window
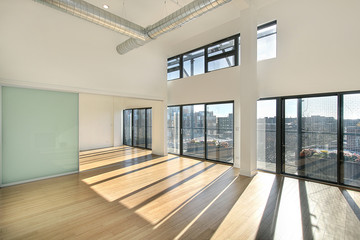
pixel 193 130
pixel 351 140
pixel 266 135
pixel 202 130
pixel 173 69
pixel 128 127
pixel 149 128
pixel 137 127
pixel 312 136
pixel 173 125
pixel 221 54
pixel 219 133
pixel 266 41
pixel 193 63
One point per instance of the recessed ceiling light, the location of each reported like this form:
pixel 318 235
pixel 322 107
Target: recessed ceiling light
pixel 106 6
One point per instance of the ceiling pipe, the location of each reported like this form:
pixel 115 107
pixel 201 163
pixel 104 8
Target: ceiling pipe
pixel 171 22
pixel 98 16
pixel 138 35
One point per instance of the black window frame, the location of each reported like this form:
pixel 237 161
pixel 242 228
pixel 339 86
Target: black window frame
pixel 132 127
pixel 205 130
pixel 266 25
pixel 263 26
pixel 235 52
pixel 183 58
pixel 180 68
pixel 280 136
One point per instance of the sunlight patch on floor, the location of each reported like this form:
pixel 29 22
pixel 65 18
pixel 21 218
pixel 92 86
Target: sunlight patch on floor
pixel 128 185
pixel 102 161
pixel 110 174
pixel 161 207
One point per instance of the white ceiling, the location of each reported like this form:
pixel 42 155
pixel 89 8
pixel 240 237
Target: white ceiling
pixel 141 12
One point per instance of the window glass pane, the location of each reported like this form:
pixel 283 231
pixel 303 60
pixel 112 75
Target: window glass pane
pixel 149 128
pixel 128 127
pixel 221 48
pixel 262 32
pixel 266 43
pixel 139 128
pixel 311 137
pixel 173 70
pixel 266 135
pixel 221 63
pixel 351 161
pixel 239 51
pixel 173 124
pixel 193 63
pixel 194 130
pixel 220 136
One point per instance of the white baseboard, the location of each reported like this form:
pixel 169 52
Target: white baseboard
pixel 37 179
pixel 248 173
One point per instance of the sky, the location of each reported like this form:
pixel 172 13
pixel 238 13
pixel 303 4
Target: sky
pixel 220 110
pixel 323 106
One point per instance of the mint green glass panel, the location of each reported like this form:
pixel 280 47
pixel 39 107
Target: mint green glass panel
pixel 40 134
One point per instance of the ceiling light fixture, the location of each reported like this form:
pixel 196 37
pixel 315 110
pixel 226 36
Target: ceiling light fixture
pixel 106 6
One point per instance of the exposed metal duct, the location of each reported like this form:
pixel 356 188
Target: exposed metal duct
pixel 171 22
pixel 130 44
pixel 182 16
pixel 139 35
pixel 98 16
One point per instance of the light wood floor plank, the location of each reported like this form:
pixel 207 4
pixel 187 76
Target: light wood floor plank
pixel 127 193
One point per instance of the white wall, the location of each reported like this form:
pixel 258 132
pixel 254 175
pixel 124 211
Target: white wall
pixel 317 51
pixel 318 47
pixel 1 135
pixel 45 48
pixel 101 121
pixel 236 83
pixel 159 108
pixel 96 121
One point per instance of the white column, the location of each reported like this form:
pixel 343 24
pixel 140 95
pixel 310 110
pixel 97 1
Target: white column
pixel 118 121
pixel 1 166
pixel 159 129
pixel 248 93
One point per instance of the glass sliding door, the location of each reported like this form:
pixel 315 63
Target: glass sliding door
pixel 351 140
pixel 40 134
pixel 173 125
pixel 139 128
pixel 193 130
pixel 128 127
pixel 266 135
pixel 219 129
pixel 311 137
pixel 149 128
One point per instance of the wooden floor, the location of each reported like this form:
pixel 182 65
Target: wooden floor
pixel 127 193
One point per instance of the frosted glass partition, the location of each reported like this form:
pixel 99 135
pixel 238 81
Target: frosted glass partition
pixel 40 134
